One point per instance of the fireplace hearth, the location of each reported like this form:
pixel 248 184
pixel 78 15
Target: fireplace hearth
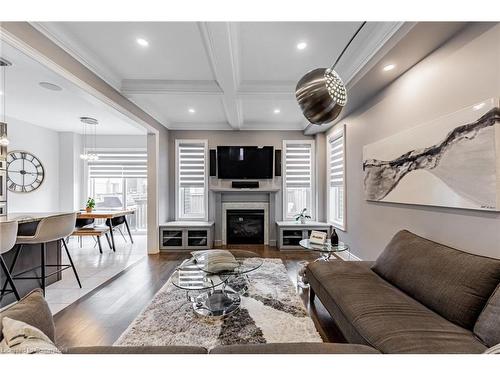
pixel 245 227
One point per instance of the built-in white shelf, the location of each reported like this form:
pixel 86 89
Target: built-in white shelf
pixel 291 232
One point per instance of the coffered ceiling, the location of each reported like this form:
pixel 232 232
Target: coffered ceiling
pixel 218 75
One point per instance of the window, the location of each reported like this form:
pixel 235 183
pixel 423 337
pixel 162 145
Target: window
pixel 336 178
pixel 298 178
pixel 191 179
pixel 118 180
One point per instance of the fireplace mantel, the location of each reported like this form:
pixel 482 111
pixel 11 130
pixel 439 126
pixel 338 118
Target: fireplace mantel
pixel 223 189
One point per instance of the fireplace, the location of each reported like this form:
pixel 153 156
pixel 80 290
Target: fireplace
pixel 245 226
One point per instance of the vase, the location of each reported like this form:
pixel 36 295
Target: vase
pixel 88 209
pixel 302 220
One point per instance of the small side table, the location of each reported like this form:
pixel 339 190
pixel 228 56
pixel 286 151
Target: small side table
pixel 326 250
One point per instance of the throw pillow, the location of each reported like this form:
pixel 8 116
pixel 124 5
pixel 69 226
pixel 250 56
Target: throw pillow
pixel 216 261
pixel 21 338
pixel 493 350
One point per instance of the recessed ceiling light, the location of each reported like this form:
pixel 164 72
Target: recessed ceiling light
pixel 50 86
pixel 191 110
pixel 388 67
pixel 478 106
pixel 276 111
pixel 142 42
pixel 301 45
pixel 1 93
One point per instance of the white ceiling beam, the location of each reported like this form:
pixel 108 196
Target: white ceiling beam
pixel 221 45
pixel 199 126
pixel 177 87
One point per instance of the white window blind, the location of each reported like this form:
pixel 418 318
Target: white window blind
pixel 336 179
pixel 191 179
pixel 298 179
pixel 118 164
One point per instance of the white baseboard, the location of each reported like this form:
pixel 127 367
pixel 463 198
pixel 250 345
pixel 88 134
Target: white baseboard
pixel 346 255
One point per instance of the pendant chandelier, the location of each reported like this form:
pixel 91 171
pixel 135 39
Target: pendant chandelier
pixel 4 141
pixel 89 139
pixel 321 94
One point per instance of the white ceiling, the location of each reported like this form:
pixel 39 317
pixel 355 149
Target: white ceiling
pixel 234 75
pixel 27 101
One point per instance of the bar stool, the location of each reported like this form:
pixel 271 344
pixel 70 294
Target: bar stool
pixel 8 233
pixel 49 229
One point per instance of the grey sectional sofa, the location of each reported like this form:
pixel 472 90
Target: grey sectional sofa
pixel 33 310
pixel 417 297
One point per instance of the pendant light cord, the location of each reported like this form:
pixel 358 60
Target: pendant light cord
pixel 347 45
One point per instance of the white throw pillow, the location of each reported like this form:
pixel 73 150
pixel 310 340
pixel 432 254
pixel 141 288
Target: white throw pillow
pixel 216 260
pixel 493 350
pixel 21 338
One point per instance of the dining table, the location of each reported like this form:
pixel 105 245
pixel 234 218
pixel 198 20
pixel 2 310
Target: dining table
pixel 109 215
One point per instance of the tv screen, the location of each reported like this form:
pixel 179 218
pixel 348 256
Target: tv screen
pixel 245 162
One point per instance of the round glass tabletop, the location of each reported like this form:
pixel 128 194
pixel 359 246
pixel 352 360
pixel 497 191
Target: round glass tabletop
pixel 326 248
pixel 247 262
pixel 189 276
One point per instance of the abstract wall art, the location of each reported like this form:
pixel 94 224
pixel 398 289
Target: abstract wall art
pixel 453 161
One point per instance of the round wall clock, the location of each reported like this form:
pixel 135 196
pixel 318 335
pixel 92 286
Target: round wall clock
pixel 25 172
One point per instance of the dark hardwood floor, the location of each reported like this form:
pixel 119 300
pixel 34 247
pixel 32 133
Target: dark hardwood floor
pixel 102 315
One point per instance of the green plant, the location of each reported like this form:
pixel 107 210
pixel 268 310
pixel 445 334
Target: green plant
pixel 90 203
pixel 302 215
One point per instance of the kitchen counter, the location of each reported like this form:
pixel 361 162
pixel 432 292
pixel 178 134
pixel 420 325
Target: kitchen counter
pixel 29 256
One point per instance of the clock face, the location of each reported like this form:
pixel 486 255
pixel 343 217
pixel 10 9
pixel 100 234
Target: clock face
pixel 25 172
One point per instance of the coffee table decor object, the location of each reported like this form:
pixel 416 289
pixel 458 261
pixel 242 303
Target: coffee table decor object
pixel 326 250
pixel 270 312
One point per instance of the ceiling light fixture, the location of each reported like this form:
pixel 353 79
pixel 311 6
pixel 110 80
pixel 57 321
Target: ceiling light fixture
pixel 276 111
pixel 321 94
pixel 301 46
pixel 388 67
pixel 50 86
pixel 89 138
pixel 142 42
pixel 191 110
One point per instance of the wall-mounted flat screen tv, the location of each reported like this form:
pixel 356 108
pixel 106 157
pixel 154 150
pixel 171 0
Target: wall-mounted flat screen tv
pixel 245 162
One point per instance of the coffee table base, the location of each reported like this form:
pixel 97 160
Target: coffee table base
pixel 216 303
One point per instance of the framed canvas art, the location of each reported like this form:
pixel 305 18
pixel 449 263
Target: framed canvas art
pixel 453 161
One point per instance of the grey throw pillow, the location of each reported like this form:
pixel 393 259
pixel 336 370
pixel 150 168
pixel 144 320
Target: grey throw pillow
pixel 487 327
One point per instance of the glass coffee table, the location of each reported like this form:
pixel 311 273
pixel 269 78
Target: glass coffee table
pixel 237 279
pixel 326 250
pixel 217 294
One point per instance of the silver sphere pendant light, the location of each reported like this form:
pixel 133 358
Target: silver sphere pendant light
pixel 321 94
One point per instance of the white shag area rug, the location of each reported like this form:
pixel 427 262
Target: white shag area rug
pixel 271 312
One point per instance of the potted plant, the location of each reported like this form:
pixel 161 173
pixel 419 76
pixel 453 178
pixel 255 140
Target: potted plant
pixel 302 216
pixel 90 205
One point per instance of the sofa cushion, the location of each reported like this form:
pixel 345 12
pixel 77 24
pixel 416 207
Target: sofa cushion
pixel 451 282
pixel 32 309
pixel 487 327
pixel 136 350
pixel 383 316
pixel 294 348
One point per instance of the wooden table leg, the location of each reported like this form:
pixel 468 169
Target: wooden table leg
pixel 128 229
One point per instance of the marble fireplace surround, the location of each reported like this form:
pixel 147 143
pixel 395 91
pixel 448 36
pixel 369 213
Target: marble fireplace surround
pixel 245 206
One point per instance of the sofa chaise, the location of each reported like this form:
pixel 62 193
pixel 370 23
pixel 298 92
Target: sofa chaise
pixel 419 296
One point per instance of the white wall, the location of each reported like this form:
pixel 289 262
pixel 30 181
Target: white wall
pixel 465 71
pixel 44 144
